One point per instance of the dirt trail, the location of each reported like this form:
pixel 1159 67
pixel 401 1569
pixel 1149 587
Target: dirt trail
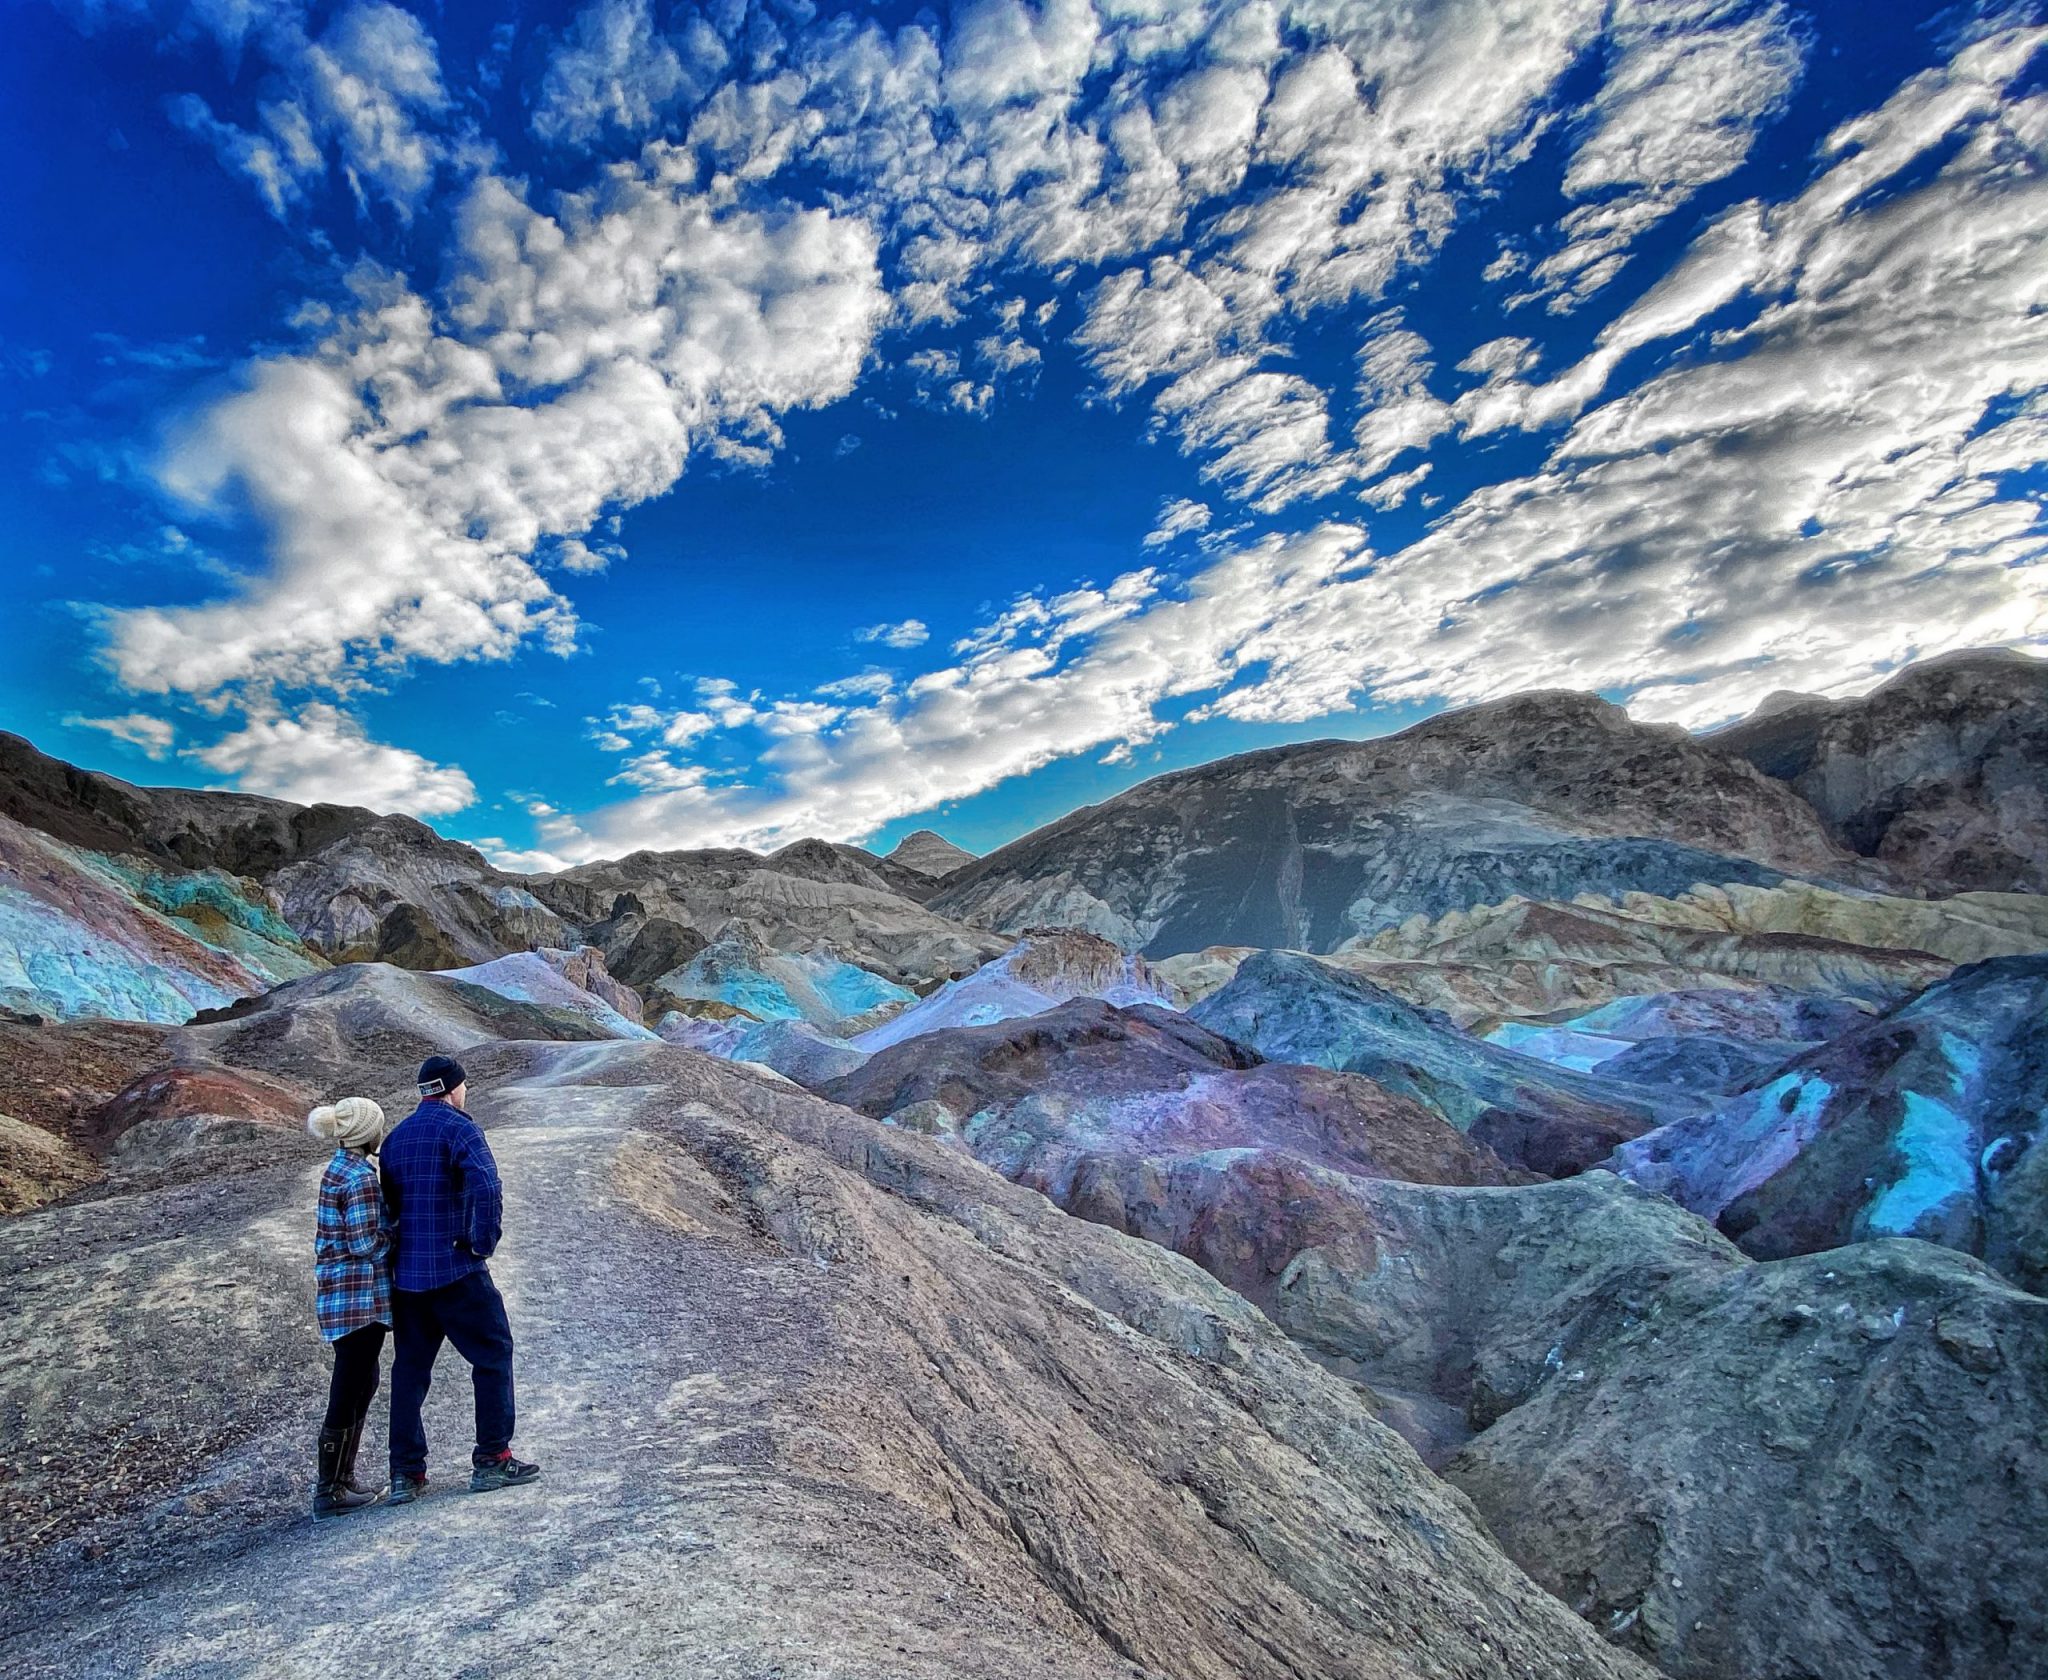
pixel 812 1399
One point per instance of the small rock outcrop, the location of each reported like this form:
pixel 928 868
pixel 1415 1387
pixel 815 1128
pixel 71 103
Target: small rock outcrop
pixel 557 979
pixel 37 1166
pixel 739 969
pixel 1047 966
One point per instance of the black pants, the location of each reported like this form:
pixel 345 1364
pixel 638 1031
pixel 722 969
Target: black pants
pixel 354 1382
pixel 470 1313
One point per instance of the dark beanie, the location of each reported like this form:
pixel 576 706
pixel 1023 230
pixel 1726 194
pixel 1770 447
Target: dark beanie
pixel 439 1075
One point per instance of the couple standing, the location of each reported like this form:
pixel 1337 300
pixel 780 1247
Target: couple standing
pixel 410 1254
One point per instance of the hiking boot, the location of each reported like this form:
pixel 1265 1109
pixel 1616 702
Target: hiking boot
pixel 501 1472
pixel 332 1497
pixel 405 1488
pixel 346 1475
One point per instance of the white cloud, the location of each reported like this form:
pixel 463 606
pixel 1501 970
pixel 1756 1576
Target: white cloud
pixel 1688 85
pixel 153 735
pixel 615 72
pixel 1178 516
pixel 323 756
pixel 909 633
pixel 365 88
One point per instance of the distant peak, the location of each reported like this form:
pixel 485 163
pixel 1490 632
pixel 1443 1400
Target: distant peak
pixel 930 853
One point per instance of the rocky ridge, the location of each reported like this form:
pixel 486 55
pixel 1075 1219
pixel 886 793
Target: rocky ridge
pixel 1305 847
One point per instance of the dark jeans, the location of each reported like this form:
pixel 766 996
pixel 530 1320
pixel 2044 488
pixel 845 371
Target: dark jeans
pixel 354 1382
pixel 470 1313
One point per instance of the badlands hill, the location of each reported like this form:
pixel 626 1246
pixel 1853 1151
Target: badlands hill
pixel 1304 847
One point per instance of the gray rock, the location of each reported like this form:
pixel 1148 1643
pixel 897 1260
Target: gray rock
pixel 1824 1467
pixel 1941 773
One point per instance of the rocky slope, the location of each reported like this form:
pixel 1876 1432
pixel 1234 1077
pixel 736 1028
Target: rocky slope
pixel 355 885
pixel 806 898
pixel 1048 1100
pixel 1305 847
pixel 1523 1337
pixel 1551 1119
pixel 1940 773
pixel 816 1397
pixel 1922 1122
pixel 1823 1466
pixel 557 979
pixel 85 933
pixel 1047 966
pixel 1536 960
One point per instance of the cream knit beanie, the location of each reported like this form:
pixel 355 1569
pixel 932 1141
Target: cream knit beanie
pixel 353 1122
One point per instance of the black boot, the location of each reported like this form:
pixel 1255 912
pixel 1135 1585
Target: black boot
pixel 346 1477
pixel 331 1497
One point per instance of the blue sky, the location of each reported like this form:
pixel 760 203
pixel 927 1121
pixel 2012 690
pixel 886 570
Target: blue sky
pixel 632 424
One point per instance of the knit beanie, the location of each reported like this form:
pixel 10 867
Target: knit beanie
pixel 353 1122
pixel 439 1075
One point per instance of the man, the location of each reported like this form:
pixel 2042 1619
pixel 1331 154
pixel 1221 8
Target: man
pixel 441 1187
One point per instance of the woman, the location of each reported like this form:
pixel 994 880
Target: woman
pixel 352 1278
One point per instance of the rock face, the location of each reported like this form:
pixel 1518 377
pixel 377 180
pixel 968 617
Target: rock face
pixel 924 1422
pixel 1923 1122
pixel 1522 1335
pixel 259 890
pixel 353 884
pixel 740 970
pixel 807 897
pixel 1823 1467
pixel 37 1167
pixel 1535 960
pixel 1715 1042
pixel 1829 1466
pixel 1292 1008
pixel 1048 1099
pixel 84 933
pixel 930 854
pixel 1941 773
pixel 1305 847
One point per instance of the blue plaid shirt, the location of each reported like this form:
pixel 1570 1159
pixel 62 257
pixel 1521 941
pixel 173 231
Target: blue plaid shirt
pixel 351 1282
pixel 441 1185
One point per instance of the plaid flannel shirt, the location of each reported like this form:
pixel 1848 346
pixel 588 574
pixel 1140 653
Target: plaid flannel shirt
pixel 351 1242
pixel 446 1204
